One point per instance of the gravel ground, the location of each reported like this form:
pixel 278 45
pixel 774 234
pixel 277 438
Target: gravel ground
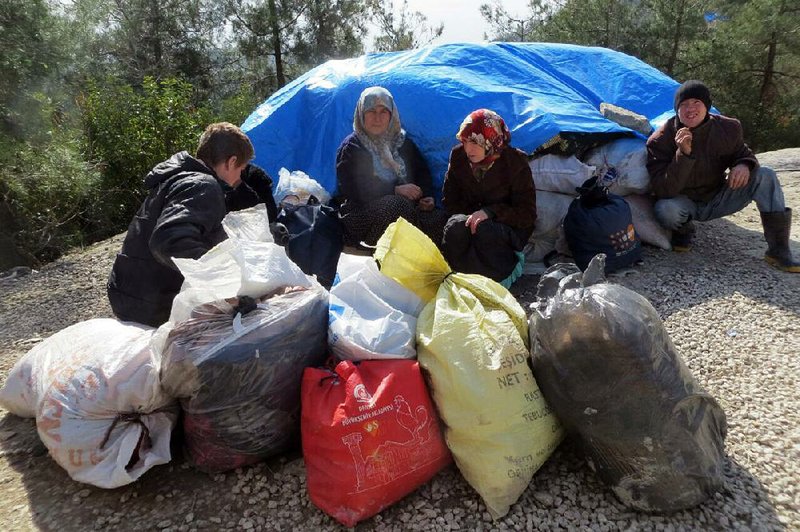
pixel 733 318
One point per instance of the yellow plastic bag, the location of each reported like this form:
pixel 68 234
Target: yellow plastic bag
pixel 472 340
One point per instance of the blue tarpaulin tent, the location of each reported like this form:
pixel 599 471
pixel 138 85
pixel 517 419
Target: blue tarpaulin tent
pixel 539 89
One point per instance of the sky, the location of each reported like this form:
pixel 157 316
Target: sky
pixel 461 18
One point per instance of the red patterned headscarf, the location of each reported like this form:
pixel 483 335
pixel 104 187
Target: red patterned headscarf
pixel 486 128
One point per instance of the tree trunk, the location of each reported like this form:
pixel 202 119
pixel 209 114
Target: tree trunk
pixel 676 39
pixel 607 31
pixel 767 95
pixel 155 39
pixel 276 44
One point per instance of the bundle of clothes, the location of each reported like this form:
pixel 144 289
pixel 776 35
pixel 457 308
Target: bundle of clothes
pixel 429 367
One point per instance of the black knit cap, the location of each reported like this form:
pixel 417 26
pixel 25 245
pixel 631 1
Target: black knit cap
pixel 693 89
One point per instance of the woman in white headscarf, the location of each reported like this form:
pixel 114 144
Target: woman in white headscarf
pixel 382 176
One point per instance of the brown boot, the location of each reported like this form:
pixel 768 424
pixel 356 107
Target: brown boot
pixel 682 238
pixel 776 231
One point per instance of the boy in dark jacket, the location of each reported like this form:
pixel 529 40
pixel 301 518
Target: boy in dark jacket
pixel 180 217
pixel 687 159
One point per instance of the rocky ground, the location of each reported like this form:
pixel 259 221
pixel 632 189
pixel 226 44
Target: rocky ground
pixel 733 318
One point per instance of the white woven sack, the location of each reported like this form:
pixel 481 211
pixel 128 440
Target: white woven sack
pixel 629 157
pixel 644 222
pixel 556 173
pixel 94 390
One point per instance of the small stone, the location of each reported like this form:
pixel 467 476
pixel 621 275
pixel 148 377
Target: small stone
pixel 84 493
pixel 545 499
pixel 164 524
pixel 189 517
pixel 159 498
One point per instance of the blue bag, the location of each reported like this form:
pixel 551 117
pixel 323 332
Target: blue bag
pixel 600 222
pixel 314 238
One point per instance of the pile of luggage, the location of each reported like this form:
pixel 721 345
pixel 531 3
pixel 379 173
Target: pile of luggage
pixel 595 201
pixel 400 369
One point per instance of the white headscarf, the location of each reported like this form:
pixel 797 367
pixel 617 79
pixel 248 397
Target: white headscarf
pixel 384 148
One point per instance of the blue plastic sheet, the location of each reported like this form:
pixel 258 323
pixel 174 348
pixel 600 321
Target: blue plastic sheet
pixel 539 89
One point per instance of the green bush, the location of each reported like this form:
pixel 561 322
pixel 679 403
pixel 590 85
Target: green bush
pixel 129 130
pixel 50 193
pixel 236 108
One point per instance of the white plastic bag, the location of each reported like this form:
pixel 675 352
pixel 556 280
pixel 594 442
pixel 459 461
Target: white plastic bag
pixel 94 390
pixel 238 266
pixel 556 173
pixel 298 183
pixel 372 317
pixel 249 224
pixel 349 264
pixel 629 157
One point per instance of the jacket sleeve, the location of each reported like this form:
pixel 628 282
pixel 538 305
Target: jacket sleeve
pixel 668 166
pixel 255 188
pixel 742 154
pixel 521 212
pixel 417 168
pixel 453 198
pixel 241 197
pixel 353 167
pixel 193 208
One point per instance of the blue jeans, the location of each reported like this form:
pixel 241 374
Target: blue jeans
pixel 763 188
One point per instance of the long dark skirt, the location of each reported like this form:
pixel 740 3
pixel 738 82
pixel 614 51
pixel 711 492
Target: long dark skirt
pixel 367 223
pixel 490 252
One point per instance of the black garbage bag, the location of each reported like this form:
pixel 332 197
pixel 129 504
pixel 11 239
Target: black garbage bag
pixel 237 366
pixel 610 372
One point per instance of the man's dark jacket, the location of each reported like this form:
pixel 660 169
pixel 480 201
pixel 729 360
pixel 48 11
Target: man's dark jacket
pixel 180 217
pixel 717 145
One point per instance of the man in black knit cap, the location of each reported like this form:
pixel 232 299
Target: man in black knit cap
pixel 701 169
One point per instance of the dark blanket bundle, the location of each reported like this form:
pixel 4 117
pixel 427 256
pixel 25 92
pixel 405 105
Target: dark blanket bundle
pixel 607 367
pixel 236 366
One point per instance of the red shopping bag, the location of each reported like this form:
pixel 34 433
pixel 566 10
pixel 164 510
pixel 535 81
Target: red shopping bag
pixel 370 436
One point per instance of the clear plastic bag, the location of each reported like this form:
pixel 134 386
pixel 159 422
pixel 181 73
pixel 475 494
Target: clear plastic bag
pixel 299 185
pixel 372 317
pixel 238 266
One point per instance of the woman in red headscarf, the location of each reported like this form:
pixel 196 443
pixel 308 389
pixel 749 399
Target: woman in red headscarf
pixel 489 194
